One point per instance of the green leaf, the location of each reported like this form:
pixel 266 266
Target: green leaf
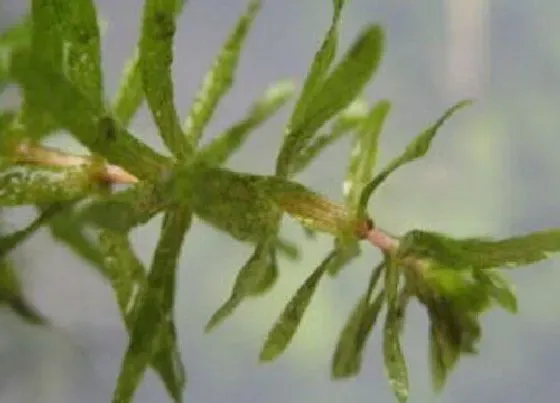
pixel 153 309
pixel 392 277
pixel 319 67
pixel 219 78
pixel 11 295
pixel 11 241
pixel 416 149
pixel 73 111
pixel 130 94
pixel 128 279
pixel 21 185
pixel 66 227
pixel 47 37
pixel 156 58
pixel 127 209
pixel 395 365
pixel 218 151
pixel 286 325
pixel 338 90
pixel 249 281
pixel 364 154
pixel 345 122
pixel 82 59
pixel 443 356
pixel 347 359
pixel 16 38
pixel 481 253
pixel 499 288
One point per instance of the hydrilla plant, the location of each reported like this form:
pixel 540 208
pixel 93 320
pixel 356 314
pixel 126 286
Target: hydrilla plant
pixel 53 56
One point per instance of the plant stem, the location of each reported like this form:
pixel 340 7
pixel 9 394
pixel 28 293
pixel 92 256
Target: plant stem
pixel 381 240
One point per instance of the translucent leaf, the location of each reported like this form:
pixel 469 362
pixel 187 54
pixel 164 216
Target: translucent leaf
pixel 47 37
pixel 66 227
pixel 71 110
pixel 128 279
pixel 218 151
pixel 395 365
pixel 16 37
pixel 80 33
pixel 347 359
pixel 21 185
pixel 319 67
pixel 130 94
pixel 338 90
pixel 11 295
pixel 499 288
pixel 348 120
pixel 249 281
pixel 153 309
pixel 416 149
pixel 127 209
pixel 392 276
pixel 364 154
pixel 286 326
pixel 443 356
pixel 11 241
pixel 219 78
pixel 156 58
pixel 481 253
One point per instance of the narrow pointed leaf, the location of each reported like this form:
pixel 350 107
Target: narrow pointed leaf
pixel 128 279
pixel 153 309
pixel 499 288
pixel 22 185
pixel 338 90
pixel 16 38
pixel 482 253
pixel 395 365
pixel 47 37
pixel 347 359
pixel 156 58
pixel 364 153
pixel 249 280
pixel 11 295
pixel 319 67
pixel 392 276
pixel 11 241
pixel 345 122
pixel 443 356
pixel 287 324
pixel 82 60
pixel 71 110
pixel 67 228
pixel 218 151
pixel 130 94
pixel 220 77
pixel 415 150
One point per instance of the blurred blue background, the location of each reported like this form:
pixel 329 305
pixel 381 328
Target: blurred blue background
pixel 493 171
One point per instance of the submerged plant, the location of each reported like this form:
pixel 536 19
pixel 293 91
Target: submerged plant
pixel 53 56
